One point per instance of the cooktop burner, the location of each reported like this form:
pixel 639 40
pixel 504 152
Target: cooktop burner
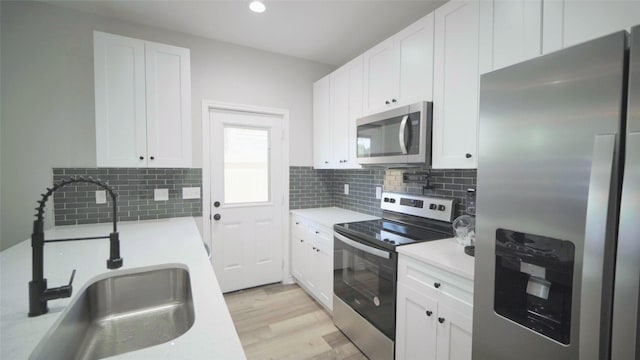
pixel 407 219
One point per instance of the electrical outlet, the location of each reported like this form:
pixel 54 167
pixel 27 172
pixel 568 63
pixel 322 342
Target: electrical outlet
pixel 346 189
pixel 378 192
pixel 191 192
pixel 101 197
pixel 161 194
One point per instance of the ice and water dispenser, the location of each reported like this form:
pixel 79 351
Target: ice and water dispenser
pixel 534 282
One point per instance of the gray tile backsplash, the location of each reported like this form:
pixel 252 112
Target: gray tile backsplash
pixel 76 203
pixel 320 188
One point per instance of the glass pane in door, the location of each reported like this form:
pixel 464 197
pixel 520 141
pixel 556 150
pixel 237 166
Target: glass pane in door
pixel 246 165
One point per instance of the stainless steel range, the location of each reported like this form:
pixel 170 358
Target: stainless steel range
pixel 366 264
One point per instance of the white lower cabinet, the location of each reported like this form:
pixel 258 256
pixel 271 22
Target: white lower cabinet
pixel 312 259
pixel 434 313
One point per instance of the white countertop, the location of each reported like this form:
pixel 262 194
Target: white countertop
pixel 329 216
pixel 445 254
pixel 142 244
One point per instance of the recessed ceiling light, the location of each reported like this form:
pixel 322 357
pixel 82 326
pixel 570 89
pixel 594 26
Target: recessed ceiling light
pixel 257 6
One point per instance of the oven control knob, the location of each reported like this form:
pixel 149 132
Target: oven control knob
pixel 392 200
pixel 385 240
pixel 432 206
pixel 440 207
pixel 391 242
pixel 386 199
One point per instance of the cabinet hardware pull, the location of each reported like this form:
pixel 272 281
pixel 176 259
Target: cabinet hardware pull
pixel 441 320
pixel 301 240
pixel 326 162
pixel 394 100
pixel 297 223
pixel 141 157
pixel 387 102
pixel 317 250
pixel 468 156
pixel 317 232
pixel 437 285
pixel 217 217
pixel 152 158
pixel 429 312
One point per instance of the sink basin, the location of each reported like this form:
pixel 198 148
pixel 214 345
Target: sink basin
pixel 122 313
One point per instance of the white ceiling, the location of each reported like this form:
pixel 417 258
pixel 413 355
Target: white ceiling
pixel 330 32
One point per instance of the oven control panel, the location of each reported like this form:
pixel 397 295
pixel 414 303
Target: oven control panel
pixel 428 207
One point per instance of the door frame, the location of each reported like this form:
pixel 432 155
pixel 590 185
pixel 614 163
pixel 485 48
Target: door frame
pixel 207 106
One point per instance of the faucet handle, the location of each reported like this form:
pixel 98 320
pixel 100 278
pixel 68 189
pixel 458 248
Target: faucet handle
pixel 73 275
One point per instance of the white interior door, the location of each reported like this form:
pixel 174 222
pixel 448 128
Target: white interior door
pixel 247 198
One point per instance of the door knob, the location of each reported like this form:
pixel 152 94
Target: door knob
pixel 217 217
pixel 216 204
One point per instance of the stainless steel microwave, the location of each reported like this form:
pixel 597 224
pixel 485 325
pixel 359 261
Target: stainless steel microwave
pixel 398 136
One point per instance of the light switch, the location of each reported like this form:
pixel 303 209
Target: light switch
pixel 346 189
pixel 378 192
pixel 191 192
pixel 161 194
pixel 101 197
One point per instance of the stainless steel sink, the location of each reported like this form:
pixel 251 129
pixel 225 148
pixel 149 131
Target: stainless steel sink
pixel 120 314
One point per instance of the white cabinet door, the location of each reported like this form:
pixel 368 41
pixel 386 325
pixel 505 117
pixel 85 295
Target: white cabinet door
pixel 168 84
pixel 324 268
pixel 322 146
pixel 119 70
pixel 297 249
pixel 454 333
pixel 509 32
pixel 346 108
pixel 416 325
pixel 415 46
pixel 456 85
pixel 567 23
pixel 381 76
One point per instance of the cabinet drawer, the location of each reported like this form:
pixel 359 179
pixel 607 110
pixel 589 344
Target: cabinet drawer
pixel 433 281
pixel 324 239
pixel 298 227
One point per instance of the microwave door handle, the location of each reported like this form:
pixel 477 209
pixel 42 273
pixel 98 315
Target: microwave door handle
pixel 363 247
pixel 401 138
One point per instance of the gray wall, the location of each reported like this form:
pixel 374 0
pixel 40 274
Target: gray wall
pixel 47 104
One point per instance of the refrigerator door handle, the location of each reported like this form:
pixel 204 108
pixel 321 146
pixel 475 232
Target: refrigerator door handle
pixel 625 343
pixel 596 240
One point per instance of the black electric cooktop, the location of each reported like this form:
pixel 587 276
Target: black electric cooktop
pixel 388 233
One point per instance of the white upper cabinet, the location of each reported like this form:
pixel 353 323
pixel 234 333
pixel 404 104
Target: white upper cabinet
pixel 567 23
pixel 142 103
pixel 399 70
pixel 456 85
pixel 121 128
pixel 168 105
pixel 322 145
pixel 337 103
pixel 346 108
pixel 510 32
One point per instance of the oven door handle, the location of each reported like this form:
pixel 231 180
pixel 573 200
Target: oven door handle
pixel 401 132
pixel 368 249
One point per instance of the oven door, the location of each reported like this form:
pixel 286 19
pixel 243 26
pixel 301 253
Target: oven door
pixel 400 136
pixel 364 277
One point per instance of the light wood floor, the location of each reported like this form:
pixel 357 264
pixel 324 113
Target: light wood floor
pixel 283 322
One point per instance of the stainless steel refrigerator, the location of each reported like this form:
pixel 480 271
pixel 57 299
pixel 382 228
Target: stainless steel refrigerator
pixel 557 271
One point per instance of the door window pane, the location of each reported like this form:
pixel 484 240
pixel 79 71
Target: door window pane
pixel 246 165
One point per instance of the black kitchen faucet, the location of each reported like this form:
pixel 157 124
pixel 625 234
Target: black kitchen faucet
pixel 38 292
